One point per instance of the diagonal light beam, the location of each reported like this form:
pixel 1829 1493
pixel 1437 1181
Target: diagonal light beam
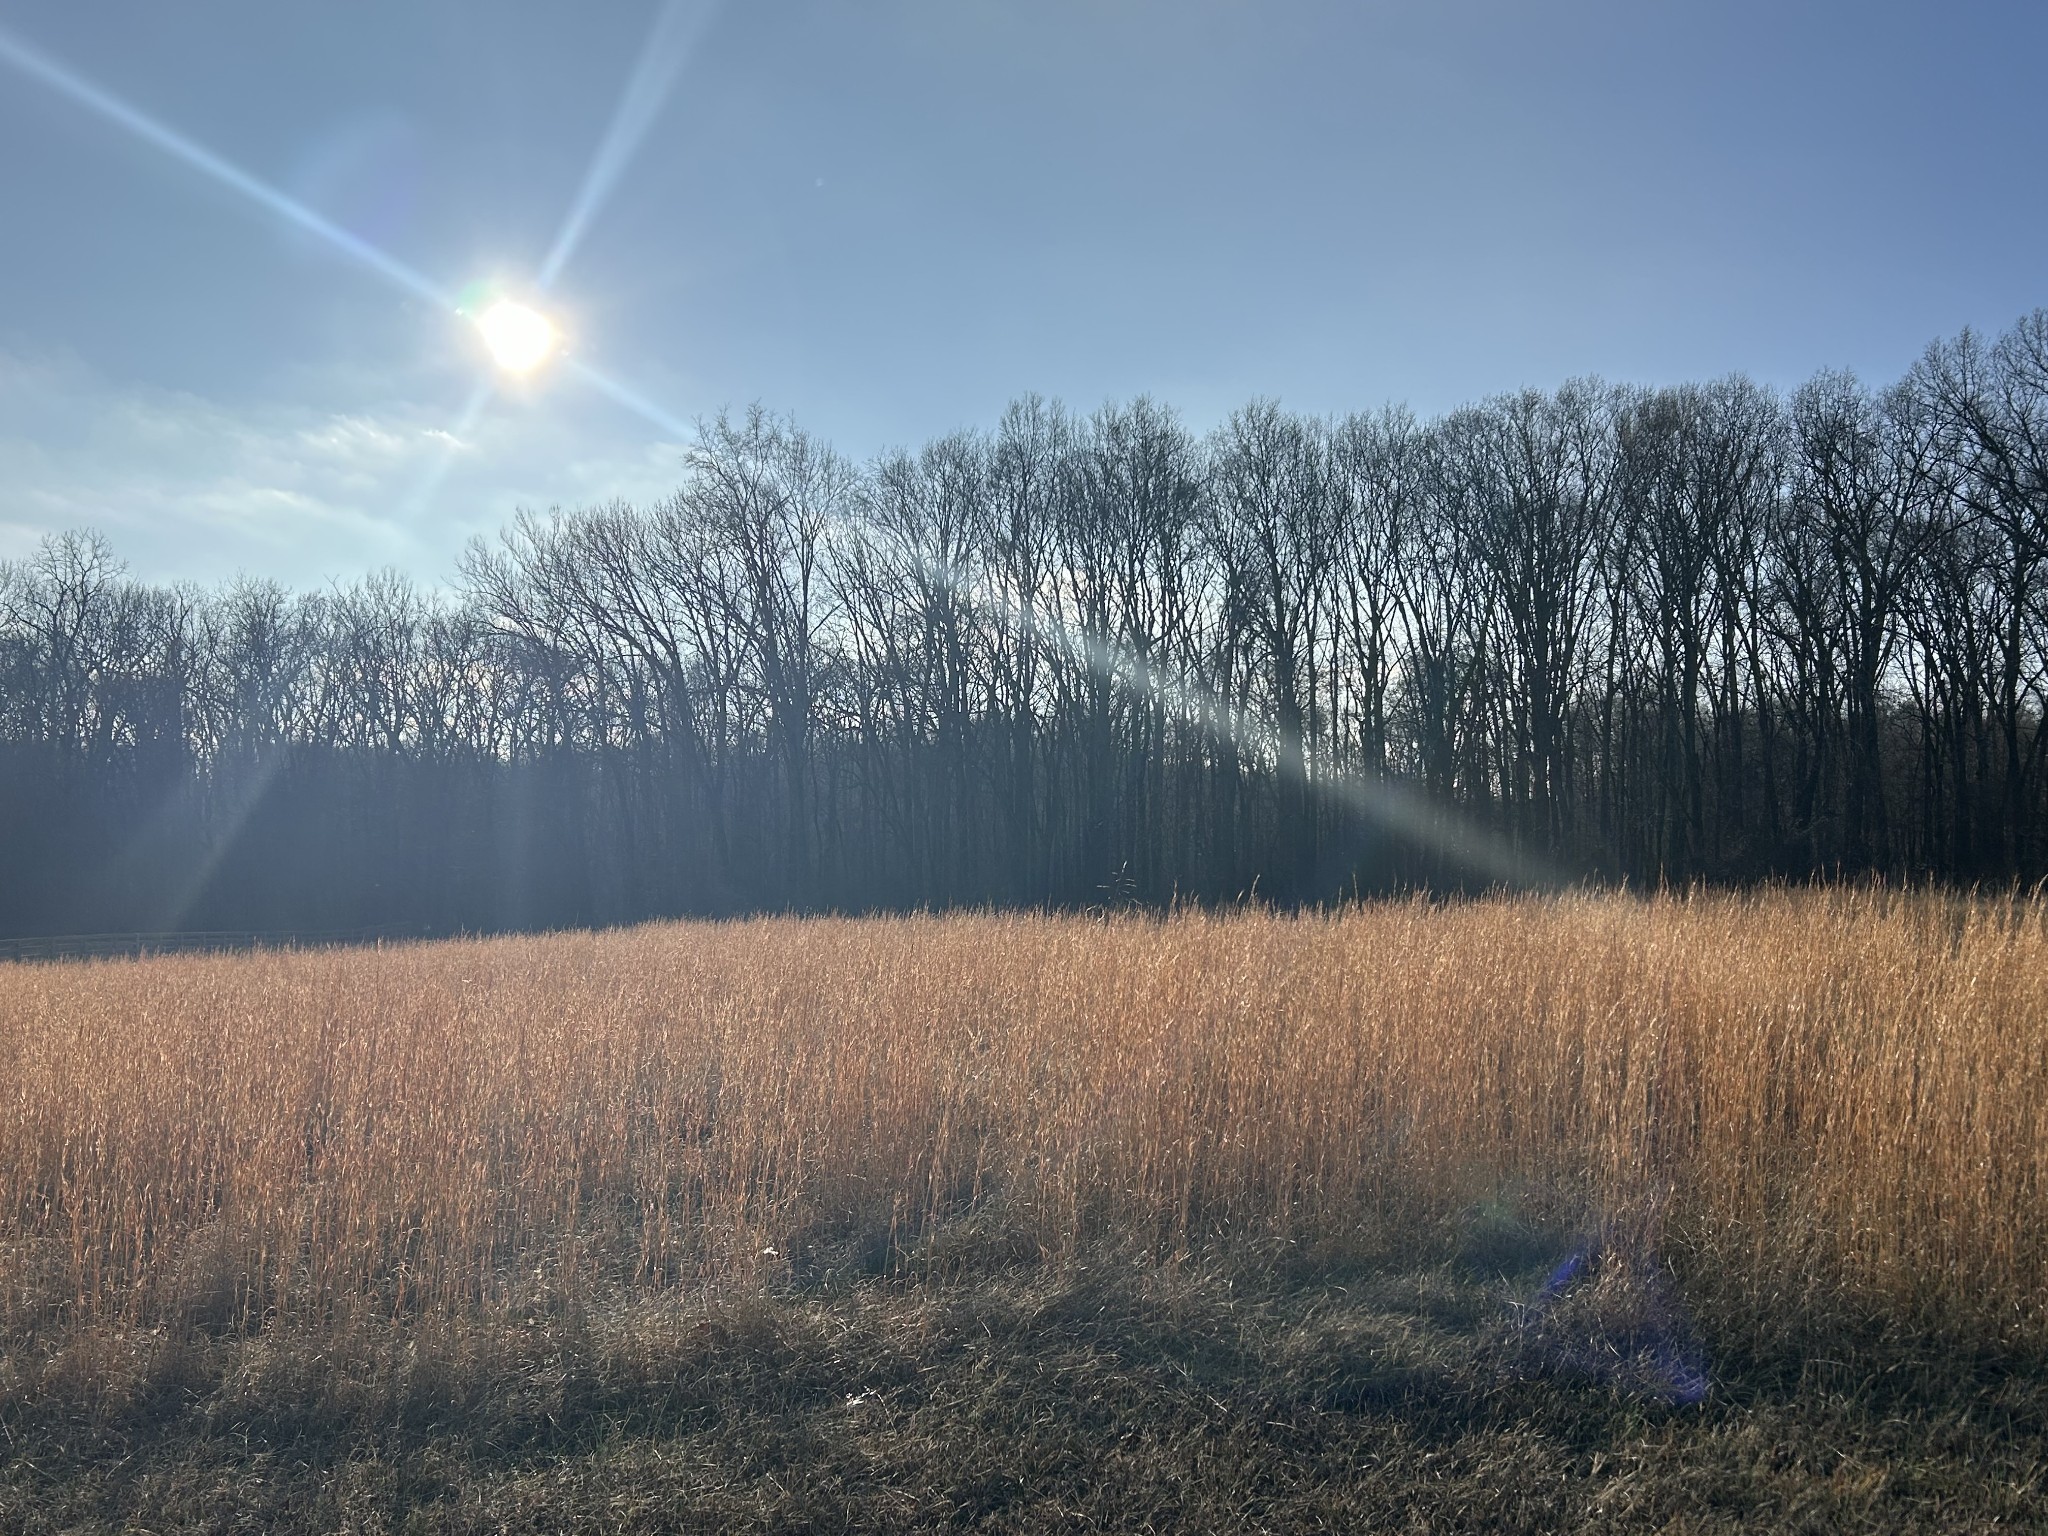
pixel 675 29
pixel 242 799
pixel 677 25
pixel 670 41
pixel 54 75
pixel 1388 804
pixel 630 398
pixel 1393 807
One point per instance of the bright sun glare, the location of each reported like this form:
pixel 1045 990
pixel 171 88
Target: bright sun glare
pixel 521 339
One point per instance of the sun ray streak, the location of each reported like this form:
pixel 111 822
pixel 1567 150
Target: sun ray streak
pixel 241 805
pixel 670 42
pixel 675 31
pixel 1392 807
pixel 630 398
pixel 58 78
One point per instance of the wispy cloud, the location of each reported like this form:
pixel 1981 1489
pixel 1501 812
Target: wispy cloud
pixel 193 488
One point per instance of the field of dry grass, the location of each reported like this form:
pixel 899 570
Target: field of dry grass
pixel 1674 1158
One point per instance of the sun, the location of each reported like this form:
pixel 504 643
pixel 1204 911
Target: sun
pixel 521 339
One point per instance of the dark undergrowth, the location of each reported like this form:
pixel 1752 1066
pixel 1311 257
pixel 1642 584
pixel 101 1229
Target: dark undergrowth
pixel 1512 1390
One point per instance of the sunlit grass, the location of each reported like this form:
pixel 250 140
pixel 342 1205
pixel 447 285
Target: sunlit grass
pixel 1811 1107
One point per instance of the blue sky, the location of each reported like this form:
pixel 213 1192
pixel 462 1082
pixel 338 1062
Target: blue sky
pixel 889 218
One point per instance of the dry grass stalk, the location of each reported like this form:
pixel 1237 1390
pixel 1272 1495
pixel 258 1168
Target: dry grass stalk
pixel 1817 1103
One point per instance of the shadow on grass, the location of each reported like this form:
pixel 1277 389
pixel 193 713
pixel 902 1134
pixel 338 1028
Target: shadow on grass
pixel 1279 1391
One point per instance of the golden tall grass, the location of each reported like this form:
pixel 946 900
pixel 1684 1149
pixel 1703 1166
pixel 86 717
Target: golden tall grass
pixel 1812 1102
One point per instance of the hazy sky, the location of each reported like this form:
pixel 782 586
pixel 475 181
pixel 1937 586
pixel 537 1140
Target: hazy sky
pixel 889 218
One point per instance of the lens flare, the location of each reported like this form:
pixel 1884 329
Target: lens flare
pixel 521 339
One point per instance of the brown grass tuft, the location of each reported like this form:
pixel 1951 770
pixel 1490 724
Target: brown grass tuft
pixel 1820 1110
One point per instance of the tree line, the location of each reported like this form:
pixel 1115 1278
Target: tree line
pixel 1705 632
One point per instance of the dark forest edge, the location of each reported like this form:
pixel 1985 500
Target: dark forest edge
pixel 1702 633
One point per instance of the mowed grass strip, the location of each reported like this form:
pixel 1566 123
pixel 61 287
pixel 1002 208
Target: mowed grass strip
pixel 1095 1394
